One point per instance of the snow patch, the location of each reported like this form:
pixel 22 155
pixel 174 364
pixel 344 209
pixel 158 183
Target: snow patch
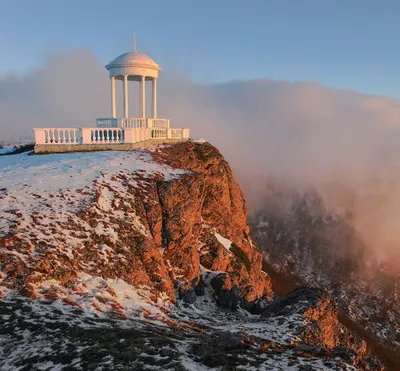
pixel 5 150
pixel 224 241
pixel 97 295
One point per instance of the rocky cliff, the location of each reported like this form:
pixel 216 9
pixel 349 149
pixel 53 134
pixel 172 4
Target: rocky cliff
pixel 157 228
pixel 143 260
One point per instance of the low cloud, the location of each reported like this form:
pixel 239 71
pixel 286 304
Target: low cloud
pixel 301 131
pixel 69 91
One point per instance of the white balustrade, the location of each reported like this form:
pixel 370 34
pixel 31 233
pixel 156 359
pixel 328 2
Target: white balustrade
pixel 58 136
pixel 185 133
pixel 159 123
pixel 105 136
pixel 178 133
pixel 175 133
pixel 135 135
pixel 159 133
pixel 132 122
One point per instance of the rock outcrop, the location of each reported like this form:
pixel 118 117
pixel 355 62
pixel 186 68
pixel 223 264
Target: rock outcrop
pixel 156 228
pixel 319 328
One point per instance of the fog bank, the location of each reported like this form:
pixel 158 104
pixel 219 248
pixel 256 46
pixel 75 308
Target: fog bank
pixel 301 131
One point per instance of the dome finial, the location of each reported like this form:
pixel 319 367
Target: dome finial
pixel 134 42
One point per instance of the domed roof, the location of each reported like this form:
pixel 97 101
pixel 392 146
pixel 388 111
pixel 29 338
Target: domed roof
pixel 132 59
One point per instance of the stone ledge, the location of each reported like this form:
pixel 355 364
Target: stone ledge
pixel 65 148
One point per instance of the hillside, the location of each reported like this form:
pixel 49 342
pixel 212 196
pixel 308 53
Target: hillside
pixel 143 260
pixel 306 242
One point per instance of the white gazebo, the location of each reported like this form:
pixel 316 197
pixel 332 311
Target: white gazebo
pixel 121 129
pixel 136 67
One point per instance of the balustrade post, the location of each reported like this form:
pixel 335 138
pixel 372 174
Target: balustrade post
pixel 39 136
pixel 169 133
pixel 129 135
pixel 86 136
pixel 149 123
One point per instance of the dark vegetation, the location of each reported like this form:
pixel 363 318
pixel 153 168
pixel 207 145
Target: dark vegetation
pixel 19 149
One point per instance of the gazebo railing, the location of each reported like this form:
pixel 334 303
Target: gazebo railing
pixel 132 122
pixel 58 135
pixel 106 135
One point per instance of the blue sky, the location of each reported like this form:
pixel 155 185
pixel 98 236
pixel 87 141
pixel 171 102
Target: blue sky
pixel 342 43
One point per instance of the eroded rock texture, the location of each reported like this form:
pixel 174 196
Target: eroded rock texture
pixel 156 228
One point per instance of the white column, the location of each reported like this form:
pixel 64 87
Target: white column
pixel 113 111
pixel 143 97
pixel 126 108
pixel 154 89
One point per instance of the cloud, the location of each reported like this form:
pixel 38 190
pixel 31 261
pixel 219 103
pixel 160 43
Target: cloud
pixel 302 131
pixel 69 91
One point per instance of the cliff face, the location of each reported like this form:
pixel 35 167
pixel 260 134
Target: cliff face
pixel 154 220
pixel 213 230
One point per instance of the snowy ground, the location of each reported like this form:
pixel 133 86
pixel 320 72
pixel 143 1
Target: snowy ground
pixel 6 150
pixel 26 182
pixel 41 335
pixel 47 173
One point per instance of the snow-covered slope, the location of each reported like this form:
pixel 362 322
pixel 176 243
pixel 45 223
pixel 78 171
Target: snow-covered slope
pixel 117 260
pixel 55 187
pixel 45 335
